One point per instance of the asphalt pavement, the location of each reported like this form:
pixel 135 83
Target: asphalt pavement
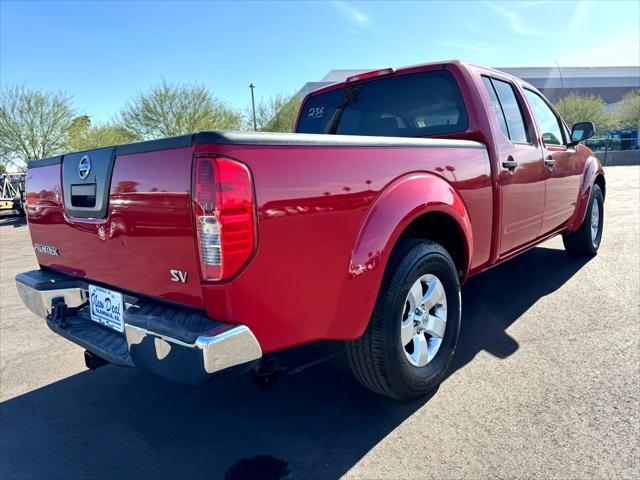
pixel 545 384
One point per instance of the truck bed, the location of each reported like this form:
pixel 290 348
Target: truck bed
pixel 313 195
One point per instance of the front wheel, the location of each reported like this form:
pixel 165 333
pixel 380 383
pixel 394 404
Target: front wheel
pixel 408 346
pixel 586 240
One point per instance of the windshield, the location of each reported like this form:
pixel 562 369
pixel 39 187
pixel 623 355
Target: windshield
pixel 411 105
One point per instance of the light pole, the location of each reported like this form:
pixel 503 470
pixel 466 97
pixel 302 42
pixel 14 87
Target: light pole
pixel 253 106
pixel 561 84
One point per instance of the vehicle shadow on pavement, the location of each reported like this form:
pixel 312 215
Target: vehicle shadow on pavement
pixel 493 300
pixel 9 220
pixel 316 424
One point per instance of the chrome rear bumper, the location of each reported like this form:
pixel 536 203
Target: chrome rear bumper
pixel 40 301
pixel 222 348
pixel 161 341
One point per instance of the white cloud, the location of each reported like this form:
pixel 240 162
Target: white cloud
pixel 617 49
pixel 355 16
pixel 474 47
pixel 533 3
pixel 515 22
pixel 609 46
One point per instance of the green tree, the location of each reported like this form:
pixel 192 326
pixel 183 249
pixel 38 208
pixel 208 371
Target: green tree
pixel 585 108
pixel 85 136
pixel 33 123
pixel 278 113
pixel 5 158
pixel 174 109
pixel 79 126
pixel 628 111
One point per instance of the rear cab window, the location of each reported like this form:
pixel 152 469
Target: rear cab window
pixel 407 105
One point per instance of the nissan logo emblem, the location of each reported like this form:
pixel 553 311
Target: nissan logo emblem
pixel 84 167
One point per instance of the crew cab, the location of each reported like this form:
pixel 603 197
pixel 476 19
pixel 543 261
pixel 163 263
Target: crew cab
pixel 205 253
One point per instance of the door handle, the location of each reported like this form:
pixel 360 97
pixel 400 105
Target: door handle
pixel 510 164
pixel 550 162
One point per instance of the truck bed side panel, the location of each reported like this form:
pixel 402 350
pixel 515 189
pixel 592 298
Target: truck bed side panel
pixel 311 204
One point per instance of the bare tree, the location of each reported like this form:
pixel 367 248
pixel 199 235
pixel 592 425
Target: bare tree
pixel 175 109
pixel 33 123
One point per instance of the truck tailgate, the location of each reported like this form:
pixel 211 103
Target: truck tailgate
pixel 133 240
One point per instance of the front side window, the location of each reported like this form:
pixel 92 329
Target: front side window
pixel 548 123
pixel 409 105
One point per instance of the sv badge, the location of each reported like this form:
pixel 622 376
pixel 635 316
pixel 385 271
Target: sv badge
pixel 178 276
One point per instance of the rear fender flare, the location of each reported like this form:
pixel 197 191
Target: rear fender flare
pixel 406 199
pixel 592 169
pixel 402 202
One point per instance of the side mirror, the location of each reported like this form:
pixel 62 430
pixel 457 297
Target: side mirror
pixel 582 131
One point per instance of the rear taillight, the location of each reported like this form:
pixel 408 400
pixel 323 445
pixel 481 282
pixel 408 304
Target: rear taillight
pixel 224 214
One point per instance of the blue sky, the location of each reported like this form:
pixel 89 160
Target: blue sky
pixel 103 53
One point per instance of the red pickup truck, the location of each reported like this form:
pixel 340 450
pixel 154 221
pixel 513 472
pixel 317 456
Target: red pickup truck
pixel 203 253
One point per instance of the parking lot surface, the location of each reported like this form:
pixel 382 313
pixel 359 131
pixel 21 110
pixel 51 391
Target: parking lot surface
pixel 545 384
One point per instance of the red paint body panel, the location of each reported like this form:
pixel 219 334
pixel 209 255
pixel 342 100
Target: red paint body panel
pixel 147 232
pixel 327 218
pixel 592 169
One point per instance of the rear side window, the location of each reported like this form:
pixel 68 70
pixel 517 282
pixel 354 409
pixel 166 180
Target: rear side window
pixel 510 108
pixel 411 105
pixel 512 111
pixel 497 109
pixel 548 122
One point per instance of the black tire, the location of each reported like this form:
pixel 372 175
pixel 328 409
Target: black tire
pixel 580 242
pixel 18 206
pixel 377 359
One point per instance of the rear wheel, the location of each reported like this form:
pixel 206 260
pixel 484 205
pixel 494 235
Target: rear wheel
pixel 586 240
pixel 411 338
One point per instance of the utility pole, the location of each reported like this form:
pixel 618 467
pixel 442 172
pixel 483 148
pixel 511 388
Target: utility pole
pixel 561 85
pixel 253 105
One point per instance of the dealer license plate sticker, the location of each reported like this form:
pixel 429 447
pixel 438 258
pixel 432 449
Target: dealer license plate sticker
pixel 106 307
